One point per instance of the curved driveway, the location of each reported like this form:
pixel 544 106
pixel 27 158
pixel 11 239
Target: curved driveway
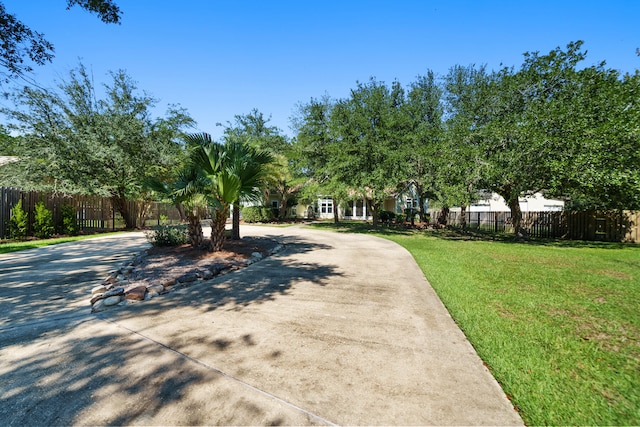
pixel 335 329
pixel 54 281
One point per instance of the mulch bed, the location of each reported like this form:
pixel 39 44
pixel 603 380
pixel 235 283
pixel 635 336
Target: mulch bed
pixel 161 264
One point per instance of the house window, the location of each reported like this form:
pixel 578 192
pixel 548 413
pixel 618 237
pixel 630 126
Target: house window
pixel 412 203
pixel 326 206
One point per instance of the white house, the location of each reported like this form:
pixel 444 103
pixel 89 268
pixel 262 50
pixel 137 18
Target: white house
pixel 492 202
pixel 356 209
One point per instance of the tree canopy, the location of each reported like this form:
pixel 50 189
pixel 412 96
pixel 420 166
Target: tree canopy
pixel 550 125
pixel 74 142
pixel 315 152
pixel 20 46
pixel 368 127
pixel 254 129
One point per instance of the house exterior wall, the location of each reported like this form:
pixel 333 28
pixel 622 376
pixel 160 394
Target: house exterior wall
pixel 534 203
pixel 357 209
pixel 302 211
pixel 390 204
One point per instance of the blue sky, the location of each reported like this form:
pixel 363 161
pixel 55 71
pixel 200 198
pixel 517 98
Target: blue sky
pixel 222 58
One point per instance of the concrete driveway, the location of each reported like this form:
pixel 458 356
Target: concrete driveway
pixel 335 329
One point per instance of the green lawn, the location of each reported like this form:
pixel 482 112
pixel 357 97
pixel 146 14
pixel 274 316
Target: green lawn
pixel 6 247
pixel 558 323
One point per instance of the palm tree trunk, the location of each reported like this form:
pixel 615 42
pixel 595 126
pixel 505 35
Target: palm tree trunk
pixel 218 224
pixel 235 225
pixel 195 231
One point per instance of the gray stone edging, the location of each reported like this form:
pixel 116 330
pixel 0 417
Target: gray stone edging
pixel 114 292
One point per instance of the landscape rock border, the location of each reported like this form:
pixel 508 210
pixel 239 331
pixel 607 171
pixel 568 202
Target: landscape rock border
pixel 117 290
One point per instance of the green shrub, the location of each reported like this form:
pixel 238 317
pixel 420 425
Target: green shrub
pixel 69 220
pixel 18 222
pixel 411 214
pixel 401 218
pixel 43 221
pixel 257 214
pixel 168 235
pixel 387 216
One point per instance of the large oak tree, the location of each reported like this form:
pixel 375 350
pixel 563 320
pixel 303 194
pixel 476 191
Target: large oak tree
pixel 368 126
pixel 72 141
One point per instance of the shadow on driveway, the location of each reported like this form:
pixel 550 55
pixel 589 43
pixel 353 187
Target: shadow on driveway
pixel 89 370
pixel 38 283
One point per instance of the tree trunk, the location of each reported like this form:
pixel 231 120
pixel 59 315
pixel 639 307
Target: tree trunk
pixel 443 216
pixel 218 223
pixel 336 217
pixel 463 217
pixel 183 216
pixel 516 217
pixel 143 210
pixel 120 204
pixel 235 225
pixel 282 210
pixel 195 230
pixel 420 194
pixel 373 208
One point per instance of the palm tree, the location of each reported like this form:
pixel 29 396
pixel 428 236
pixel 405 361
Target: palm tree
pixel 251 166
pixel 226 174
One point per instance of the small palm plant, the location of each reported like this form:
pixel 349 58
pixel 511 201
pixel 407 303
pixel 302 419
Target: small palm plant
pixel 183 193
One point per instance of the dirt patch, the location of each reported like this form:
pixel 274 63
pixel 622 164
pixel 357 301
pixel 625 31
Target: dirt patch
pixel 611 273
pixel 164 264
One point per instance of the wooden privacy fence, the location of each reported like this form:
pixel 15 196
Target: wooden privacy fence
pixel 93 213
pixel 607 226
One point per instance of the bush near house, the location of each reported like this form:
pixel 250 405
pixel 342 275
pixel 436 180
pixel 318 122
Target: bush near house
pixel 257 214
pixel 168 235
pixel 387 216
